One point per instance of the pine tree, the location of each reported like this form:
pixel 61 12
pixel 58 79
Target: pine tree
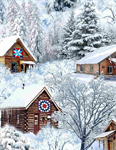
pixel 35 31
pixel 2 12
pixel 20 26
pixel 68 30
pixel 12 13
pixel 87 33
pixel 61 5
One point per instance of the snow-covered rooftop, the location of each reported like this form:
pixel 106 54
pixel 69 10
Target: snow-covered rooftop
pixel 102 135
pixel 22 97
pixel 7 43
pixel 98 55
pixel 114 120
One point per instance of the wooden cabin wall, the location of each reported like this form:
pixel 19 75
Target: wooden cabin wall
pixel 87 68
pixel 2 60
pixel 9 116
pixel 111 127
pixel 27 117
pixel 8 58
pixel 33 110
pixel 104 64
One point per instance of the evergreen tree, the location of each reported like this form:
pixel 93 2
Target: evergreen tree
pixel 12 13
pixel 35 31
pixel 20 26
pixel 2 11
pixel 68 30
pixel 87 33
pixel 60 5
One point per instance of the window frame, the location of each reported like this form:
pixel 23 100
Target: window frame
pixel 91 68
pixel 82 67
pixel 12 63
pixel 109 73
pixel 36 120
pixel 18 119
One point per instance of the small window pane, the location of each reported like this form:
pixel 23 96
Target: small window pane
pixel 109 69
pixel 82 68
pixel 91 68
pixel 17 119
pixel 36 119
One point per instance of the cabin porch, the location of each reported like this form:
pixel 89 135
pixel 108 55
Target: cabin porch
pixel 108 139
pixel 26 65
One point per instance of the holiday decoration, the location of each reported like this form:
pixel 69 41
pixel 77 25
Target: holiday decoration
pixel 44 106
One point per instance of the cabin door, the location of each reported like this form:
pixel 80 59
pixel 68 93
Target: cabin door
pixel 36 124
pixel 13 67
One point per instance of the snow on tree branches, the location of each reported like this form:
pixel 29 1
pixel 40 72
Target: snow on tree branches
pixel 85 107
pixel 68 30
pixel 56 139
pixel 11 139
pixel 87 33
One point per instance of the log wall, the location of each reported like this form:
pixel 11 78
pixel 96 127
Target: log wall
pixel 8 58
pixel 27 117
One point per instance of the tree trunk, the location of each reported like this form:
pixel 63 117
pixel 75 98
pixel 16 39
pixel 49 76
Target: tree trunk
pixel 82 144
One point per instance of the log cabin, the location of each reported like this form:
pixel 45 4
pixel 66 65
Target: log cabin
pixel 29 109
pixel 108 136
pixel 15 55
pixel 102 60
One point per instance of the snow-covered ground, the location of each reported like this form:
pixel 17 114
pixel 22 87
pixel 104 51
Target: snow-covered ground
pixel 85 78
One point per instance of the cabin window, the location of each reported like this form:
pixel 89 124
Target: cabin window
pixel 43 119
pixel 17 119
pixel 8 118
pixel 82 68
pixel 13 67
pixel 91 68
pixel 21 67
pixel 109 70
pixel 36 119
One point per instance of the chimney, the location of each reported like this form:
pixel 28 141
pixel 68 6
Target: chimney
pixel 23 86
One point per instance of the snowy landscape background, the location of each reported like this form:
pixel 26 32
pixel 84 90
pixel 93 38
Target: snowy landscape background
pixel 44 34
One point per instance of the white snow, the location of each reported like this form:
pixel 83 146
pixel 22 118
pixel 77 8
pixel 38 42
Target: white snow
pixel 113 59
pixel 22 97
pixel 7 43
pixel 104 134
pixel 98 55
pixel 82 77
pixel 114 120
pixel 28 62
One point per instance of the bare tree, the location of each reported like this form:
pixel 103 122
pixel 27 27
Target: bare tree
pixel 85 107
pixel 56 139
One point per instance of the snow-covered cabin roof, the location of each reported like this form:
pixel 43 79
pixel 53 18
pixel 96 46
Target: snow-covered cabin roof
pixel 105 134
pixel 98 55
pixel 23 98
pixel 7 43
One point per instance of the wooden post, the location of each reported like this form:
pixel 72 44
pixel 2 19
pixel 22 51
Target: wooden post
pixel 99 144
pixel 106 144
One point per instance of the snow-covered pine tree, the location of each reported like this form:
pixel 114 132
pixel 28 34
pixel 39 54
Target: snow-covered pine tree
pixel 68 30
pixel 13 10
pixel 35 31
pixel 87 33
pixel 2 11
pixel 20 26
